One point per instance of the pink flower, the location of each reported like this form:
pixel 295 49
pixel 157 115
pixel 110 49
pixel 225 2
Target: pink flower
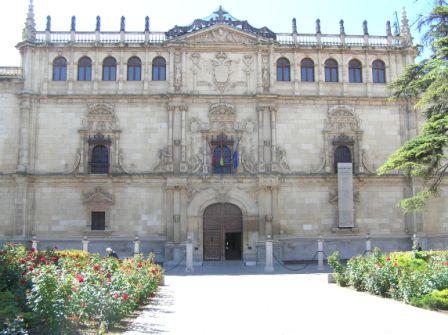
pixel 388 259
pixel 116 295
pixel 80 278
pixel 125 296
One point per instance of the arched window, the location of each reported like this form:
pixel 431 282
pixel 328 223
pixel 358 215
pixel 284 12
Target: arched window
pixel 307 69
pixel 99 162
pixel 109 69
pixel 342 154
pixel 60 69
pixel 134 69
pixel 331 71
pixel 283 70
pixel 85 69
pixel 159 69
pixel 222 160
pixel 355 71
pixel 379 71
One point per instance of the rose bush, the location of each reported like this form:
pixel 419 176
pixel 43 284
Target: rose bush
pixel 55 292
pixel 406 276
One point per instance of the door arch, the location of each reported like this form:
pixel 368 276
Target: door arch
pixel 223 229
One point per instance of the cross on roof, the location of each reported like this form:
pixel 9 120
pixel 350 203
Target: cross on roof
pixel 221 12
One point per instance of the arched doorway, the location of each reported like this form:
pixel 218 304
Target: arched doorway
pixel 222 232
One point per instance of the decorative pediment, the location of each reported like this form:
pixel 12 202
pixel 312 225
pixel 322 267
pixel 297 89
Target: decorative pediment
pixel 220 34
pixel 222 112
pixel 100 118
pixel 342 119
pixel 224 21
pixel 98 197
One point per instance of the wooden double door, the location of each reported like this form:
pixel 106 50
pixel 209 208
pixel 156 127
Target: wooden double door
pixel 223 224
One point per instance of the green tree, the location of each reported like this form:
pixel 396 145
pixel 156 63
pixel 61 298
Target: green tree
pixel 426 83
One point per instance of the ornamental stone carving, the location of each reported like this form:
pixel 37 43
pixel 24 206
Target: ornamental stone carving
pixel 177 71
pixel 221 67
pixel 165 160
pixel 341 119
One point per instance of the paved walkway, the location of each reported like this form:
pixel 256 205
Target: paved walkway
pixel 232 299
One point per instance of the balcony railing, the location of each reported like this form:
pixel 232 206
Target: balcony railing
pixel 82 37
pixel 10 72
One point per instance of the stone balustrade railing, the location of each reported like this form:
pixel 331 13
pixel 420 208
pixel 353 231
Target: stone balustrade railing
pixel 59 37
pixel 10 72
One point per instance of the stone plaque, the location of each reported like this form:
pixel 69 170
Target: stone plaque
pixel 345 195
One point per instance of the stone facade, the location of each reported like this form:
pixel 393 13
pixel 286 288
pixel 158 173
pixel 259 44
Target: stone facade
pixel 221 80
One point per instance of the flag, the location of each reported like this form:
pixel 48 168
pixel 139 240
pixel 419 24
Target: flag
pixel 235 156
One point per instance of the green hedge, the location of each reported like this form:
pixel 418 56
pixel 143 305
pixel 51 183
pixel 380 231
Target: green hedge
pixel 414 277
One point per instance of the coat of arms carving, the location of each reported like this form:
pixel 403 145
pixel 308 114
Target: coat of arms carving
pixel 221 71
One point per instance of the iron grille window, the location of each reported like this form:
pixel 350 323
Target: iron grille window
pixel 60 69
pixel 379 72
pixel 134 69
pixel 283 70
pixel 159 69
pixel 307 69
pixel 342 154
pixel 98 221
pixel 100 159
pixel 355 71
pixel 85 69
pixel 331 71
pixel 109 69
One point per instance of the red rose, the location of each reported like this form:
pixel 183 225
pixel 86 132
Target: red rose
pixel 33 249
pixel 80 278
pixel 125 296
pixel 22 261
pixel 154 270
pixel 445 263
pixel 139 265
pixel 96 267
pixel 108 275
pixel 388 258
pixel 22 282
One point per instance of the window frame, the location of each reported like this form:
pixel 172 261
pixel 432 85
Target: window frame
pixel 307 70
pixel 85 76
pixel 335 154
pixel 355 71
pixel 109 71
pixel 132 74
pixel 377 70
pixel 102 220
pixel 158 72
pixel 96 164
pixel 283 69
pixel 331 72
pixel 59 71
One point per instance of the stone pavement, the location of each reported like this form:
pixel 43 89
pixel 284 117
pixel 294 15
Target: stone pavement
pixel 233 299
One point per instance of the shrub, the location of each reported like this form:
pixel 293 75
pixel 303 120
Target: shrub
pixel 433 300
pixel 340 273
pixel 57 292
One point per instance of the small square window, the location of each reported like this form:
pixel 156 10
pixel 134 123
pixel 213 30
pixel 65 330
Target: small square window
pixel 98 221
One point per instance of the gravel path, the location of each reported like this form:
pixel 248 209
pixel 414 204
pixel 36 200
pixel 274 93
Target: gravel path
pixel 247 301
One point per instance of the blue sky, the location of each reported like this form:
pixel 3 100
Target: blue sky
pixel 276 15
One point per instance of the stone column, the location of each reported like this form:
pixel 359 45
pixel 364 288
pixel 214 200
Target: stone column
pixel 269 265
pixel 136 245
pixel 273 112
pixel 189 256
pixel 368 243
pixel 320 253
pixel 26 107
pixel 34 243
pixel 21 207
pixel 345 195
pixel 85 244
pixel 183 158
pixel 261 166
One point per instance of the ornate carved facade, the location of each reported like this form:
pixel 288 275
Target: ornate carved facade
pixel 206 114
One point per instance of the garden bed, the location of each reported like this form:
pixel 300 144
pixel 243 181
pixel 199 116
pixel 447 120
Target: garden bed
pixel 70 292
pixel 419 278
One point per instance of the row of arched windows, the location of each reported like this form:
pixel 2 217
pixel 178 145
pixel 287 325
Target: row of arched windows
pixel 331 70
pixel 109 72
pixel 221 159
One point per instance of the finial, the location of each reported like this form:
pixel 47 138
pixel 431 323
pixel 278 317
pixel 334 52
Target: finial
pixel 98 24
pixel 388 29
pixel 405 31
pixel 122 24
pixel 48 27
pixel 294 26
pixel 147 23
pixel 318 31
pixel 341 27
pixel 364 27
pixel 73 25
pixel 29 32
